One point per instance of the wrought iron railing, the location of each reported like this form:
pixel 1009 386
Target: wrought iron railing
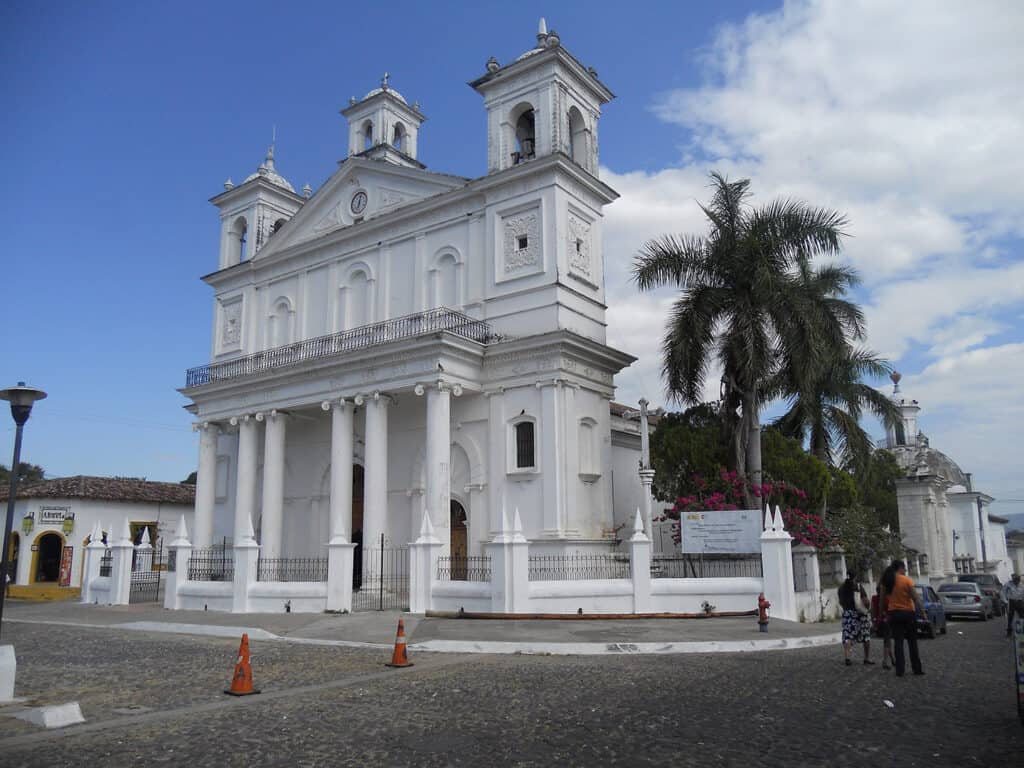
pixel 106 563
pixel 292 569
pixel 578 566
pixel 456 568
pixel 214 564
pixel 409 326
pixel 705 566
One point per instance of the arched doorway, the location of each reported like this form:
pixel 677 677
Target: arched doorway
pixel 458 541
pixel 49 547
pixel 14 549
pixel 357 526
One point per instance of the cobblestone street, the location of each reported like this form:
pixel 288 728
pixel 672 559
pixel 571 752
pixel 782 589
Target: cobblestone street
pixel 152 699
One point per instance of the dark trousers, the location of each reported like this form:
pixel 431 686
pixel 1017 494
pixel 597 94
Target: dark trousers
pixel 904 625
pixel 1013 607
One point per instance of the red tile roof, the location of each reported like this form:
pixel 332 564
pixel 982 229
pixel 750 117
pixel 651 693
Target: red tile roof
pixel 107 489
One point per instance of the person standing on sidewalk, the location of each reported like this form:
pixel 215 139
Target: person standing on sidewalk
pixel 1013 597
pixel 903 605
pixel 856 621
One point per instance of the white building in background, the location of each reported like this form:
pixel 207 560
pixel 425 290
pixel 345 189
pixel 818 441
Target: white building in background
pixel 54 519
pixel 942 517
pixel 405 343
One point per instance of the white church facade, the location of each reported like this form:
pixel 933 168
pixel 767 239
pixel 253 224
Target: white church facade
pixel 406 344
pixel 943 518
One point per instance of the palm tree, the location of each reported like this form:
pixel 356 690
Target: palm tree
pixel 749 301
pixel 827 401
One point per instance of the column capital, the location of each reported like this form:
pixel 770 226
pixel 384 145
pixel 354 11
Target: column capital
pixel 376 396
pixel 202 426
pixel 234 421
pixel 340 402
pixel 442 386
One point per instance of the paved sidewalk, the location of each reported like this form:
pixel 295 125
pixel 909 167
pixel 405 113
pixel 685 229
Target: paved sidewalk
pixel 377 629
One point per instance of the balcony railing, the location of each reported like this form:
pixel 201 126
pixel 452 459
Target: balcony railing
pixel 431 321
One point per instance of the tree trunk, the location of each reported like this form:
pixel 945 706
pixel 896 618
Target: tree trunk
pixel 753 421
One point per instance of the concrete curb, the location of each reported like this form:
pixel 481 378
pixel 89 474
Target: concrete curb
pixel 523 647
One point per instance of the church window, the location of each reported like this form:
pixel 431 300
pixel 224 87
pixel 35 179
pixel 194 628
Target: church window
pixel 525 136
pixel 399 138
pixel 445 281
pixel 901 434
pixel 577 137
pixel 238 241
pixel 589 449
pixel 522 242
pixel 368 136
pixel 278 224
pixel 525 447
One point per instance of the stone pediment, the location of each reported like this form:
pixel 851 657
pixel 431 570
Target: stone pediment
pixel 360 190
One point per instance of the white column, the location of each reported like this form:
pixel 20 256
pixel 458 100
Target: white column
pixel 438 459
pixel 341 472
pixel 375 493
pixel 510 568
pixel 121 568
pixel 497 439
pixel 206 485
pixel 94 552
pixel 273 484
pixel 640 567
pixel 551 459
pixel 423 556
pixel 645 438
pixel 177 567
pixel 646 480
pixel 245 486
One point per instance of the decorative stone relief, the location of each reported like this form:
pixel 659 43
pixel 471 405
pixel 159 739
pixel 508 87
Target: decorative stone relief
pixel 231 325
pixel 389 197
pixel 521 243
pixel 332 219
pixel 579 246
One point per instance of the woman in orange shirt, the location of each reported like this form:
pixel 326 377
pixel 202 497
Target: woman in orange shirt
pixel 902 604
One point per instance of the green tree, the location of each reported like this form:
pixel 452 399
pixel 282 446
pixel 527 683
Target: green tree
pixel 750 300
pixel 876 486
pixel 786 460
pixel 191 479
pixel 684 445
pixel 827 400
pixel 27 473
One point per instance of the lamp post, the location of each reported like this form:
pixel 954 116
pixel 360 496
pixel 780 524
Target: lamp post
pixel 21 399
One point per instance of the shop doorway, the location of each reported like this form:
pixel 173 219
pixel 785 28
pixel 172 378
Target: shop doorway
pixel 50 547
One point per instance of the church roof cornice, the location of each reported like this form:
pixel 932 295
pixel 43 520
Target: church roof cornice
pixel 586 75
pixel 228 196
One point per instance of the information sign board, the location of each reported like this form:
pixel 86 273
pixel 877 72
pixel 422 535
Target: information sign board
pixel 731 531
pixel 65 566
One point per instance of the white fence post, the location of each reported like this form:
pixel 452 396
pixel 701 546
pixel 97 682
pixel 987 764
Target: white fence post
pixel 340 562
pixel 640 566
pixel 180 552
pixel 777 567
pixel 121 567
pixel 423 555
pixel 510 568
pixel 94 552
pixel 247 556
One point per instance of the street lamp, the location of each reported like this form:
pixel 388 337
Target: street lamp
pixel 21 399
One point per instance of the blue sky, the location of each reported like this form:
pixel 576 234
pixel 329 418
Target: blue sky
pixel 122 119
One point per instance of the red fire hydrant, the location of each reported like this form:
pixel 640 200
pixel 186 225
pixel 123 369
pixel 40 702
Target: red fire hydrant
pixel 762 612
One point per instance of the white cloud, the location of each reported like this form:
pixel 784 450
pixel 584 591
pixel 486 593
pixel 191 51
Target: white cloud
pixel 905 116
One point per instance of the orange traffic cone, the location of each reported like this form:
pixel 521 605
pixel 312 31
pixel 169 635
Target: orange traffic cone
pixel 399 658
pixel 241 682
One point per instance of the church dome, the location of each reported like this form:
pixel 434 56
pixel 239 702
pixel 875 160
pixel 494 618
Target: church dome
pixel 392 91
pixel 921 460
pixel 268 172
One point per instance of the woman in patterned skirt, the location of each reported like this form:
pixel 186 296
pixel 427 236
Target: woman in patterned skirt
pixel 856 618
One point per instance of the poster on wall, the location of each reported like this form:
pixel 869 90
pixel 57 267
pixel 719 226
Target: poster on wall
pixel 65 566
pixel 730 531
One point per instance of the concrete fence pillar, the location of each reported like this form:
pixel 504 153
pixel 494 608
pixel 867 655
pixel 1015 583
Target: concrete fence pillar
pixel 640 566
pixel 179 553
pixel 121 551
pixel 247 556
pixel 510 568
pixel 94 552
pixel 777 567
pixel 340 561
pixel 423 557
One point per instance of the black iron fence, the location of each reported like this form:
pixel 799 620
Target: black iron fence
pixel 106 563
pixel 292 569
pixel 147 564
pixel 464 568
pixel 431 321
pixel 213 564
pixel 381 578
pixel 705 566
pixel 578 566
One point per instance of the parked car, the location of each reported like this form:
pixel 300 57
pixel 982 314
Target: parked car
pixel 965 598
pixel 990 586
pixel 936 621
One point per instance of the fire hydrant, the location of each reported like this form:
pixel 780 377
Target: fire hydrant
pixel 762 612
